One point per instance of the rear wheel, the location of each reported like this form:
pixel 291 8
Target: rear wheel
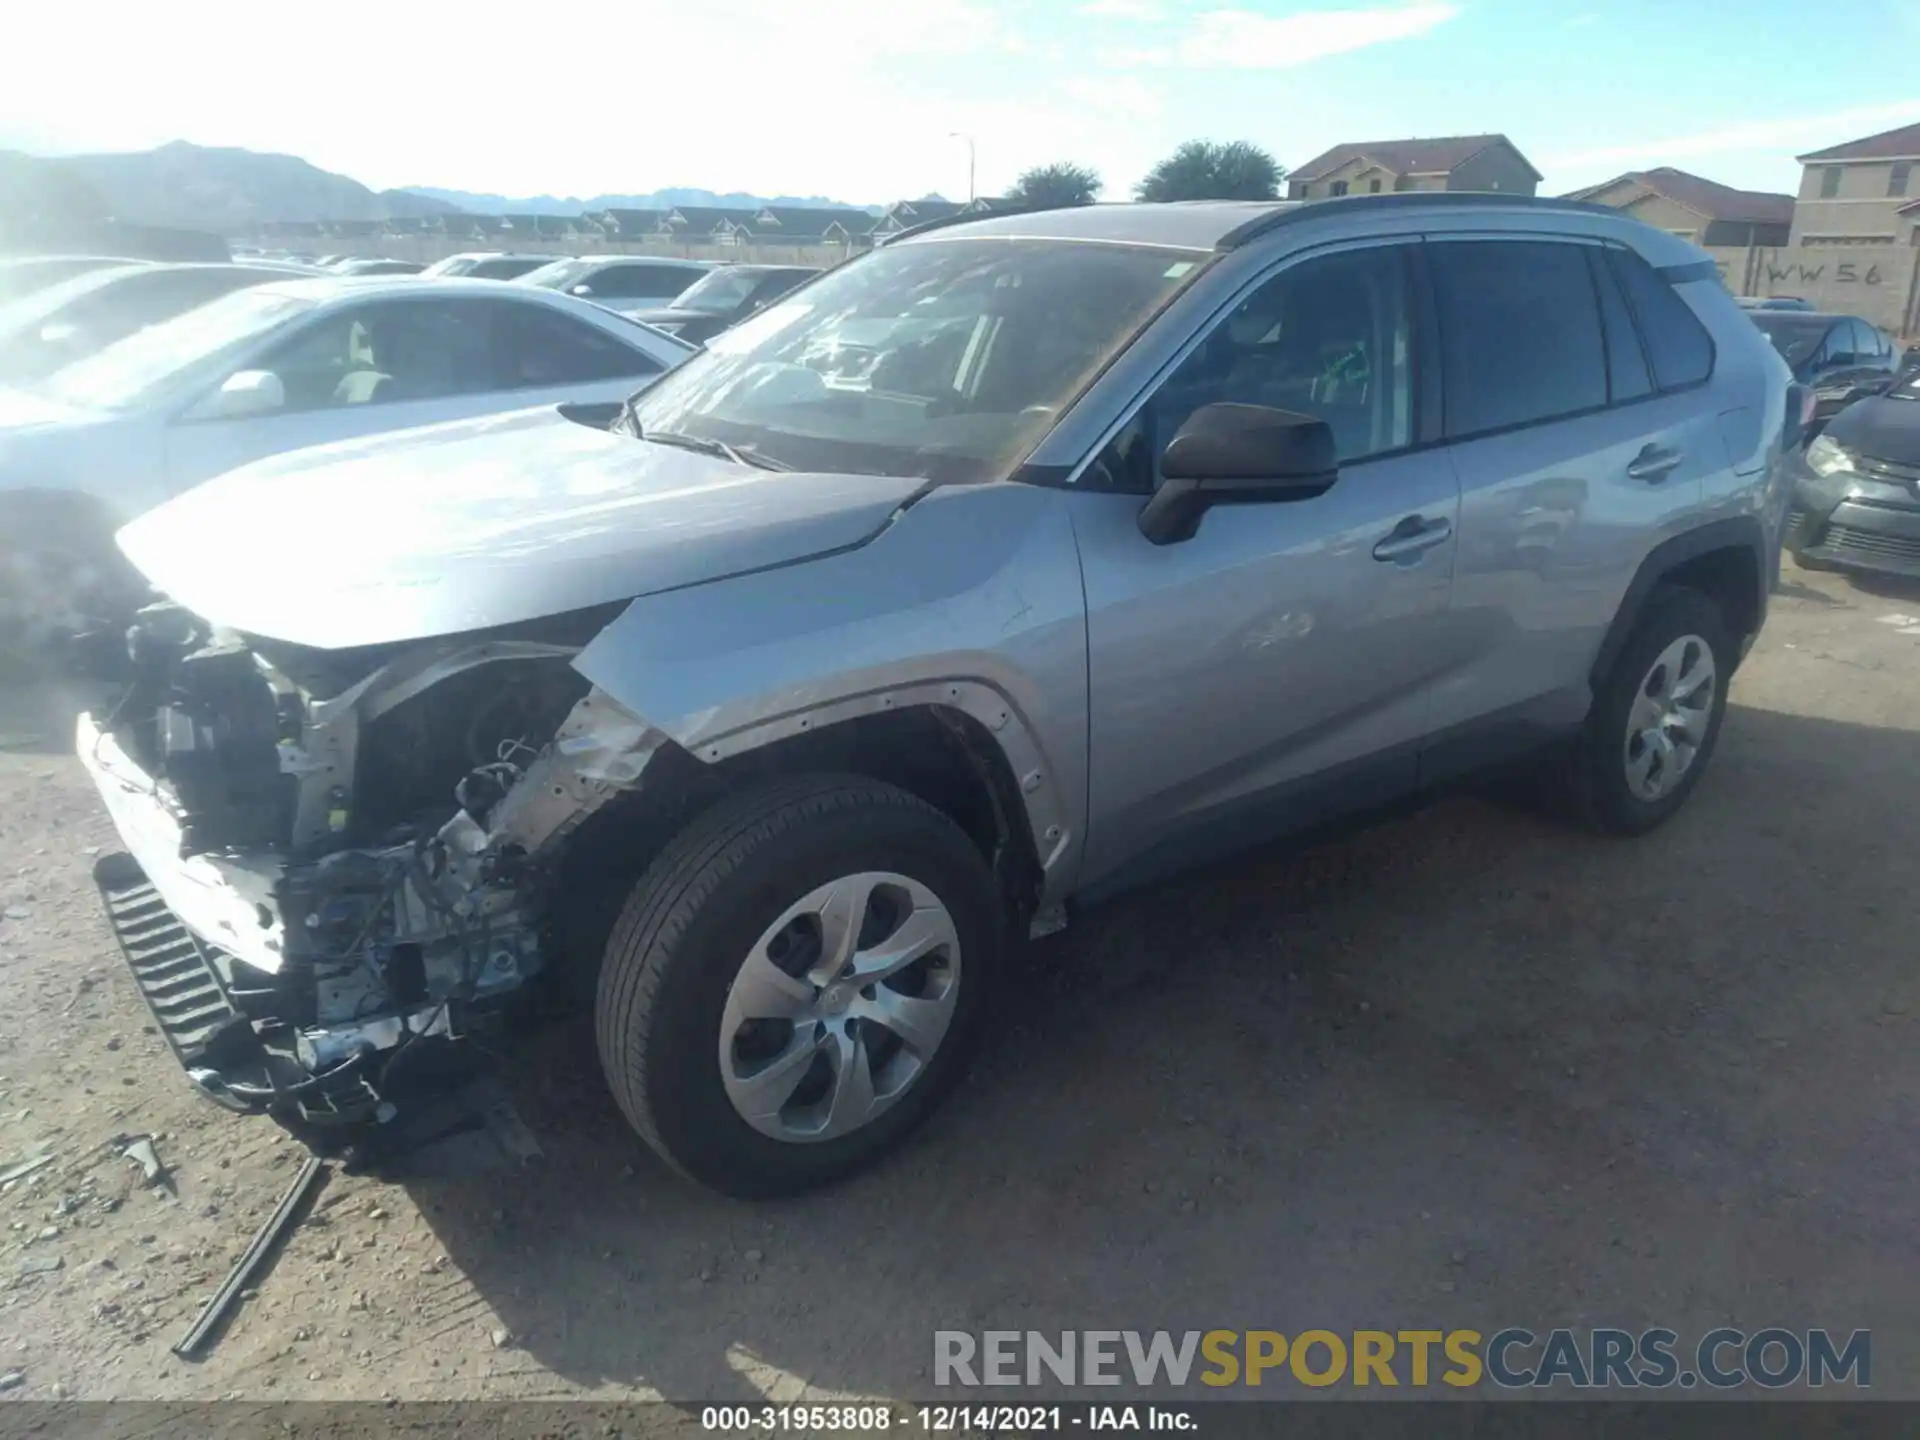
pixel 796 981
pixel 1656 717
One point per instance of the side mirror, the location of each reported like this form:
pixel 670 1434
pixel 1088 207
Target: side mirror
pixel 581 290
pixel 1237 455
pixel 245 393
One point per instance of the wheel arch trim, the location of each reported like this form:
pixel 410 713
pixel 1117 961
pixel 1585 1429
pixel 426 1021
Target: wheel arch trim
pixel 1734 532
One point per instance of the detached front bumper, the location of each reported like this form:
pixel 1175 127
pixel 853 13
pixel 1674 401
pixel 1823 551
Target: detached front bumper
pixel 1864 520
pixel 202 937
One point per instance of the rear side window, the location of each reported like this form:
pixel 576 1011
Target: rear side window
pixel 1678 345
pixel 1627 375
pixel 1520 337
pixel 535 347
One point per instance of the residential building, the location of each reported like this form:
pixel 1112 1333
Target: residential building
pixel 1451 162
pixel 1865 192
pixel 1696 208
pixel 905 214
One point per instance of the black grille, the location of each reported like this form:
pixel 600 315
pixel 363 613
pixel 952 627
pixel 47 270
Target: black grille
pixel 1893 470
pixel 1796 524
pixel 1844 543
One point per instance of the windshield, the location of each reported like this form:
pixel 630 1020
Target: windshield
pixel 942 359
pixel 150 362
pixel 1794 336
pixel 560 274
pixel 718 291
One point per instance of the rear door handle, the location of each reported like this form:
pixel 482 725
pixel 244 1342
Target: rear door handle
pixel 1412 537
pixel 1655 463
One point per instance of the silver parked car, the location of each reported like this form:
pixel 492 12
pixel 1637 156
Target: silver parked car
pixel 282 364
pixel 1114 539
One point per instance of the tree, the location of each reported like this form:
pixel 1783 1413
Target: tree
pixel 1210 170
pixel 1054 187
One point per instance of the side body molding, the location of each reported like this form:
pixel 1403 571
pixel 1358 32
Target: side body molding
pixel 971 600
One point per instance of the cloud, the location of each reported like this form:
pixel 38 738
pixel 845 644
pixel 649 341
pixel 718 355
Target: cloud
pixel 1794 136
pixel 1121 9
pixel 1126 95
pixel 1242 40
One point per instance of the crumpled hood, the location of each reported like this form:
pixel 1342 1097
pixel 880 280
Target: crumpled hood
pixel 1883 427
pixel 478 523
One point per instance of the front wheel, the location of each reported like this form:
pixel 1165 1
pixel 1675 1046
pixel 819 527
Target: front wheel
pixel 795 983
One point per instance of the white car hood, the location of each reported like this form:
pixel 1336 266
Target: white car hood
pixel 25 410
pixel 480 523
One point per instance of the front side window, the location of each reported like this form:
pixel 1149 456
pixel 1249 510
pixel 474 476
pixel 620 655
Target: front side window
pixel 1520 337
pixel 1330 337
pixel 639 282
pixel 386 354
pixel 945 359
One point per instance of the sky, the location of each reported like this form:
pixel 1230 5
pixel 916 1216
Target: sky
pixel 873 100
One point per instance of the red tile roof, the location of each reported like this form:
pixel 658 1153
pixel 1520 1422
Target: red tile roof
pixel 1408 157
pixel 1705 197
pixel 1887 145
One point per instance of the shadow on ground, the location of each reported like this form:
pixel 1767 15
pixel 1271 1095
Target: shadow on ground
pixel 1468 1069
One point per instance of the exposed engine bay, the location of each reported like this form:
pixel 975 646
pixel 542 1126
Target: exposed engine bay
pixel 354 847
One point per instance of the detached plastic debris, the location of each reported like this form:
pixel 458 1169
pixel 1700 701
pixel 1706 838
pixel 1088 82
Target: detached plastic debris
pixel 139 1149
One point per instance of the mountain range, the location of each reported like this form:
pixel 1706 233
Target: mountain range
pixel 229 190
pixel 486 204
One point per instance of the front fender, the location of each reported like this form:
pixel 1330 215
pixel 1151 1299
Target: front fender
pixel 971 598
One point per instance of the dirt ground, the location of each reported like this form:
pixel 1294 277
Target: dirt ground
pixel 1467 1069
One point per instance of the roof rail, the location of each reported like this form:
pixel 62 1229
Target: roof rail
pixel 1290 211
pixel 961 217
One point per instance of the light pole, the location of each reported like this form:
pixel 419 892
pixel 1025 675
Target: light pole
pixel 956 135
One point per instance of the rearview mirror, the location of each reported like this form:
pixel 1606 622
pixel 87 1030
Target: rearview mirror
pixel 246 392
pixel 1237 455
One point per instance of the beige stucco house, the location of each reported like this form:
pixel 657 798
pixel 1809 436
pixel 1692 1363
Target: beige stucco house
pixel 1865 192
pixel 1696 208
pixel 1450 162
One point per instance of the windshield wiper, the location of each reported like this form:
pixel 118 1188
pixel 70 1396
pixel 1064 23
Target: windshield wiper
pixel 706 447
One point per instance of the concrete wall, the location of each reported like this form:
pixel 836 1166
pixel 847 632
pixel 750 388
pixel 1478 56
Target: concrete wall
pixel 1880 283
pixel 1495 168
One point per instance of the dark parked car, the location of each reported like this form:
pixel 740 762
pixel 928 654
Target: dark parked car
pixel 379 267
pixel 1842 358
pixel 1857 493
pixel 725 298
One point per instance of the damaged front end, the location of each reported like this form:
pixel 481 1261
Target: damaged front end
pixel 339 863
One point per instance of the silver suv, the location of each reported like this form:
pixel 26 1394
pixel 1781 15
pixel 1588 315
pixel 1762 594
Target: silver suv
pixel 1013 564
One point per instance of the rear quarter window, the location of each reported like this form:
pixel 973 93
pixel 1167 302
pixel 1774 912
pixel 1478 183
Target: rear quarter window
pixel 1677 344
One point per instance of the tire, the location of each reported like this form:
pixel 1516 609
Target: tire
pixel 1605 759
pixel 666 994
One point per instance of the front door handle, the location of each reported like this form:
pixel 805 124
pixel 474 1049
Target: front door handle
pixel 1412 537
pixel 1654 462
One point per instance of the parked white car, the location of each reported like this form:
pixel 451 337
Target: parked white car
pixel 620 282
pixel 277 367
